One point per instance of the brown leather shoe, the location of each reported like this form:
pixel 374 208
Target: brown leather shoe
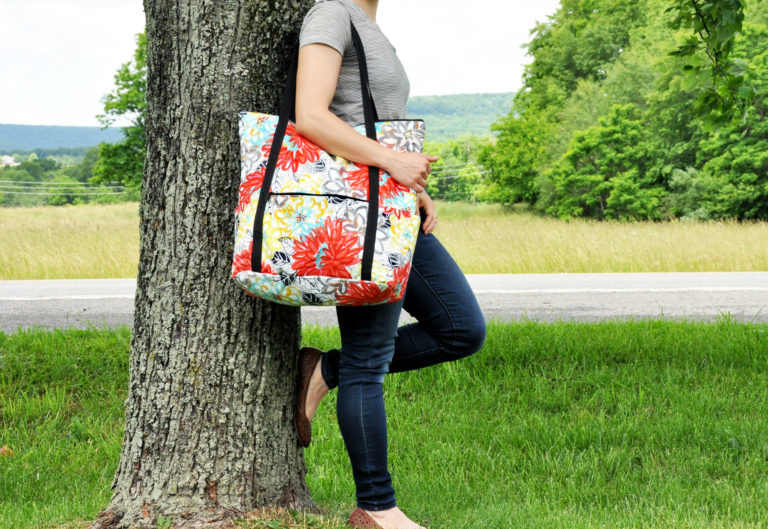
pixel 360 518
pixel 308 358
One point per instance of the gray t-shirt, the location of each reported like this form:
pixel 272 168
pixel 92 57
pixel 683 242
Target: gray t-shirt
pixel 328 22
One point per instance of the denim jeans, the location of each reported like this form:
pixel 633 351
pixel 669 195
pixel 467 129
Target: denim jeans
pixel 449 326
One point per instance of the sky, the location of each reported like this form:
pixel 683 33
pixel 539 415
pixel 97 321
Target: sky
pixel 58 57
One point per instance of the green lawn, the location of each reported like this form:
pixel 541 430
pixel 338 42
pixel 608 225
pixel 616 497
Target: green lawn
pixel 642 424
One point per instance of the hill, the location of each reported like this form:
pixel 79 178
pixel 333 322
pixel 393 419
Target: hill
pixel 450 116
pixel 447 117
pixel 29 137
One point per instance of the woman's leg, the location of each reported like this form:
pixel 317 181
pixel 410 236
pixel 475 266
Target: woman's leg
pixel 367 346
pixel 450 324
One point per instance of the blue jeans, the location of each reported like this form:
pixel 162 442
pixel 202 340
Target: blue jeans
pixel 449 326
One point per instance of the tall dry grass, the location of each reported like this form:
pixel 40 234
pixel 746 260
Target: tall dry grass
pixel 70 242
pixel 485 239
pixel 102 241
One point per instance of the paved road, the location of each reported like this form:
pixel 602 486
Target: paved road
pixel 544 297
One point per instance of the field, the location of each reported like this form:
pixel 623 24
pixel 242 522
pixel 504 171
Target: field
pixel 102 241
pixel 647 424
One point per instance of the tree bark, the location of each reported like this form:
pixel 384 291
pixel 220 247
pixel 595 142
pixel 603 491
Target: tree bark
pixel 208 419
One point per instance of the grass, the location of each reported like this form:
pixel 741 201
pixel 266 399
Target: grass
pixel 102 241
pixel 486 240
pixel 70 242
pixel 643 424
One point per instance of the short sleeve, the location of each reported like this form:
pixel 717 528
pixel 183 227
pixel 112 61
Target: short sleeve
pixel 327 22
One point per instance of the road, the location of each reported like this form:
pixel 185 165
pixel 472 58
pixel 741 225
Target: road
pixel 78 303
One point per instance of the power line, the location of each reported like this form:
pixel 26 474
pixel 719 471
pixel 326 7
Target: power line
pixel 65 193
pixel 73 189
pixel 80 185
pixel 480 173
pixel 453 166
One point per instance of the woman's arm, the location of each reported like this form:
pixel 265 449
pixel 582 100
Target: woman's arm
pixel 316 79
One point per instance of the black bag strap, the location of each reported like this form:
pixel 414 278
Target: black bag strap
pixel 288 112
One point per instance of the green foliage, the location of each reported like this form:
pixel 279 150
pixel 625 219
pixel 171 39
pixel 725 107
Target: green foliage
pixel 693 195
pixel 456 175
pixel 512 158
pixel 716 23
pixel 576 46
pixel 600 174
pixel 731 179
pixel 579 41
pixel 45 181
pixel 128 99
pixel 739 166
pixel 83 171
pixel 123 162
pixel 657 130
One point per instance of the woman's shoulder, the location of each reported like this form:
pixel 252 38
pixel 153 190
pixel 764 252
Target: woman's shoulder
pixel 328 22
pixel 332 9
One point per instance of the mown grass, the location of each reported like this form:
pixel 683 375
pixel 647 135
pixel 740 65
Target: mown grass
pixel 102 241
pixel 643 424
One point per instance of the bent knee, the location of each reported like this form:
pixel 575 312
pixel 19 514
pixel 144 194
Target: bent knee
pixel 469 339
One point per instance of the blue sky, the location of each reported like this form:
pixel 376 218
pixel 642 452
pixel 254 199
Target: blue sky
pixel 58 57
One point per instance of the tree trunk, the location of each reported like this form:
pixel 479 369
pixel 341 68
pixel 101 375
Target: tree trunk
pixel 208 420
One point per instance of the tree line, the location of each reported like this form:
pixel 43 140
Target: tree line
pixel 626 113
pixel 56 177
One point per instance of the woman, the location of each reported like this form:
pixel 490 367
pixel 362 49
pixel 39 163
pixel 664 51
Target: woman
pixel 450 323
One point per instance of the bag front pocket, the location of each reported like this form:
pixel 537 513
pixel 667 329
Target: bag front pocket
pixel 313 235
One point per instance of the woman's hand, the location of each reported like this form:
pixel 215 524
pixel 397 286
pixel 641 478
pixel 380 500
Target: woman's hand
pixel 425 201
pixel 411 169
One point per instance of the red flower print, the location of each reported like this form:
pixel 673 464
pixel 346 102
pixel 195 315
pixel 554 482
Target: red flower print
pixel 252 182
pixel 365 293
pixel 395 211
pixel 390 187
pixel 400 275
pixel 242 263
pixel 326 251
pixel 358 179
pixel 298 150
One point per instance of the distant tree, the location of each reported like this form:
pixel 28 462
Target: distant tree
pixel 578 43
pixel 37 168
pixel 513 158
pixel 604 174
pixel 456 175
pixel 123 162
pixel 580 39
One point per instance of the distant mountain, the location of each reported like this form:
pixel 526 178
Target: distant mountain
pixel 28 137
pixel 450 116
pixel 446 117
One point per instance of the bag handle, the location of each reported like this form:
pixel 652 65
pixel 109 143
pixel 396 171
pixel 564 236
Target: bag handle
pixel 288 111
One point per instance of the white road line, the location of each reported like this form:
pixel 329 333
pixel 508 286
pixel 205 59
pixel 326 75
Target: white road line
pixel 94 296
